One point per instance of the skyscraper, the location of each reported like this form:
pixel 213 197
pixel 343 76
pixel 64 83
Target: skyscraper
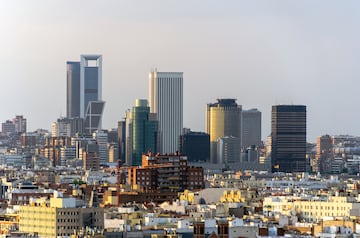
pixel 73 89
pixel 84 86
pixel 223 118
pixel 288 132
pixel 90 81
pixel 250 128
pixel 166 100
pixel 142 135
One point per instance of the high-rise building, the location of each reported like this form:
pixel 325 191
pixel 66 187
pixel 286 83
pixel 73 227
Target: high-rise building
pixel 223 118
pixel 84 91
pixel 20 124
pixel 166 100
pixel 324 154
pixel 250 128
pixel 73 89
pixel 122 139
pixel 8 127
pixel 142 135
pixel 101 138
pixel 288 132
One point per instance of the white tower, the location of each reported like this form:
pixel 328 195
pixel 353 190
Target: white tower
pixel 166 100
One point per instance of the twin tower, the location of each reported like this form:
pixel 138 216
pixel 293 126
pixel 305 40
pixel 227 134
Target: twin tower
pixel 84 99
pixel 84 91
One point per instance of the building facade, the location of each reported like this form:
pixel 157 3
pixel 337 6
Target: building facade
pixel 288 132
pixel 223 118
pixel 196 146
pixel 166 100
pixel 84 91
pixel 250 128
pixel 73 89
pixel 143 132
pixel 59 218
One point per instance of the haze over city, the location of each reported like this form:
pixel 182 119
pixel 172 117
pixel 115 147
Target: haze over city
pixel 262 53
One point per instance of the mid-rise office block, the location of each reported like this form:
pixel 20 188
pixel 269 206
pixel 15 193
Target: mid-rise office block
pixel 61 128
pixel 91 157
pixel 196 146
pixel 101 138
pixel 8 127
pixel 223 118
pixel 324 154
pixel 166 100
pixel 288 132
pixel 20 124
pixel 228 149
pixel 250 128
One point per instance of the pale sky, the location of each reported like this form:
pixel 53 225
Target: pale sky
pixel 262 53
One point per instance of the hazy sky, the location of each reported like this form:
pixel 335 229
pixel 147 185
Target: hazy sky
pixel 262 53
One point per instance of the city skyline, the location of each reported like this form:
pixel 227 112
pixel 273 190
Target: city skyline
pixel 262 54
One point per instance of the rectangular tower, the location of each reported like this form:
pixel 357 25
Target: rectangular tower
pixel 72 89
pixel 90 81
pixel 288 132
pixel 166 100
pixel 250 128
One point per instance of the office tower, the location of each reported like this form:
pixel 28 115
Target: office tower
pixel 250 128
pixel 73 89
pixel 196 146
pixel 288 132
pixel 77 126
pixel 8 127
pixel 113 152
pixel 20 124
pixel 61 128
pixel 142 134
pixel 91 158
pixel 101 138
pixel 228 150
pixel 84 87
pixel 324 154
pixel 166 100
pixel 122 140
pixel 223 118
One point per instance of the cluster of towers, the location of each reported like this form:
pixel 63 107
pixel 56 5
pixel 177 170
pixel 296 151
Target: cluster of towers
pixel 156 125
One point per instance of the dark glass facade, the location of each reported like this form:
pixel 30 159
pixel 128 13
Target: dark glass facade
pixel 144 133
pixel 196 146
pixel 288 132
pixel 91 85
pixel 73 89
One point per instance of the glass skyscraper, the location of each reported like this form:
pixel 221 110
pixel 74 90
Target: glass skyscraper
pixel 84 86
pixel 142 135
pixel 288 136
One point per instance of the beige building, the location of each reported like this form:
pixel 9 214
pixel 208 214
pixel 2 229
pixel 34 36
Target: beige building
pixel 58 217
pixel 312 209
